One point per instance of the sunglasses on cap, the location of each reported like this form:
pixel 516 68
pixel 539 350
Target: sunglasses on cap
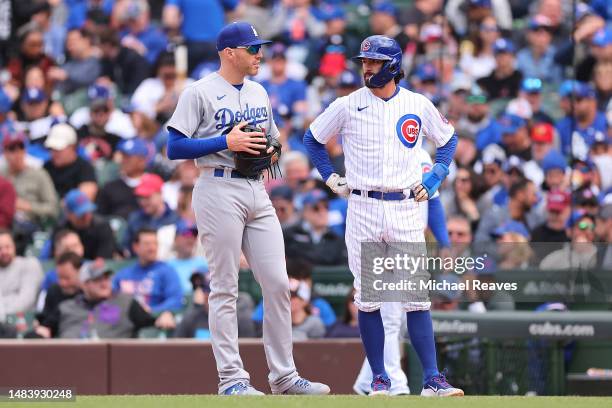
pixel 251 49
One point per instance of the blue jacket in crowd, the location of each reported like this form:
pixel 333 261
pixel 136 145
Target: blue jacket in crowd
pixel 156 285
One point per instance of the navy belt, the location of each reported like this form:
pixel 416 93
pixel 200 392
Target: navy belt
pixel 233 174
pixel 389 196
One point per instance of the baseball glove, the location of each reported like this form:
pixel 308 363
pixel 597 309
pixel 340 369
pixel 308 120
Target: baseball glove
pixel 251 165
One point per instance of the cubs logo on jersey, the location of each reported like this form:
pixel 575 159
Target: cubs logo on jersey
pixel 408 128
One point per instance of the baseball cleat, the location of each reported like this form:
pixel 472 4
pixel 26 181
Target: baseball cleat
pixel 380 385
pixel 437 386
pixel 302 386
pixel 242 388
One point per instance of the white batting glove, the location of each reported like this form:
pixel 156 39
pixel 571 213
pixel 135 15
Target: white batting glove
pixel 338 185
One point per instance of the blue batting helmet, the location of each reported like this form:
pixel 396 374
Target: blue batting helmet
pixel 380 47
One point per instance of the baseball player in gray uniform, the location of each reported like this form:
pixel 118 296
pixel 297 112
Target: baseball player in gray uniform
pixel 234 212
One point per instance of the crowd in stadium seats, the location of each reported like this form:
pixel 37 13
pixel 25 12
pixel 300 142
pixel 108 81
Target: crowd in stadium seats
pixel 86 88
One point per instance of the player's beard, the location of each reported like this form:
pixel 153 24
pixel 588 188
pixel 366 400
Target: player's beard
pixel 366 79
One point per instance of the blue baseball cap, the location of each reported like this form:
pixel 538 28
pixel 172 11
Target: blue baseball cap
pixel 385 7
pixel 515 227
pixel 315 196
pixel 98 93
pixel 134 147
pixel 5 101
pixel 480 3
pixel 33 95
pixel 584 90
pixel 331 12
pixel 283 191
pixel 503 45
pixel 510 123
pixel 277 50
pixel 349 79
pixel 238 34
pixel 566 87
pixel 184 227
pixel 78 203
pixel 531 85
pixel 426 72
pixel 554 160
pixel 539 21
pixel 603 37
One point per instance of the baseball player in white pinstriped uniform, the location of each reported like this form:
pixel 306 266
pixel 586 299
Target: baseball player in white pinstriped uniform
pixel 382 126
pixel 392 312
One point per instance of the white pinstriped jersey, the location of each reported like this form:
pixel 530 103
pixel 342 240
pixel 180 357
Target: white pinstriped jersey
pixel 381 139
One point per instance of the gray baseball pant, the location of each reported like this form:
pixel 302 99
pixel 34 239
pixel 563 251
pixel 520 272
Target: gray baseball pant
pixel 232 215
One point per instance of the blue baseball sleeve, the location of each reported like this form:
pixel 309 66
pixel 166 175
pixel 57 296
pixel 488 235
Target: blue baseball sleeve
pixel 445 153
pixel 436 220
pixel 318 155
pixel 183 147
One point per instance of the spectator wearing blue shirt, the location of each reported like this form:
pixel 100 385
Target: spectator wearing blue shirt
pixel 154 284
pixel 153 213
pixel 578 133
pixel 478 121
pixel 554 165
pixel 531 91
pixel 199 22
pixel 186 262
pixel 140 35
pixel 301 270
pixel 537 59
pixel 78 10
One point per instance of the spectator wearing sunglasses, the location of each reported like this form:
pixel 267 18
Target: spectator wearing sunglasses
pixel 537 59
pixel 157 97
pixel 587 121
pixel 531 91
pixel 585 174
pixel 36 197
pixel 480 62
pixel 282 201
pixel 312 240
pixel 580 252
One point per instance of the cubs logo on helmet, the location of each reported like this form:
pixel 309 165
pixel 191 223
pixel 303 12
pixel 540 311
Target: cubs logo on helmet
pixel 408 128
pixel 365 46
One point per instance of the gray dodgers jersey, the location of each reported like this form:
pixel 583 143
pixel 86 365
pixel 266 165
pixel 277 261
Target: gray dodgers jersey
pixel 212 106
